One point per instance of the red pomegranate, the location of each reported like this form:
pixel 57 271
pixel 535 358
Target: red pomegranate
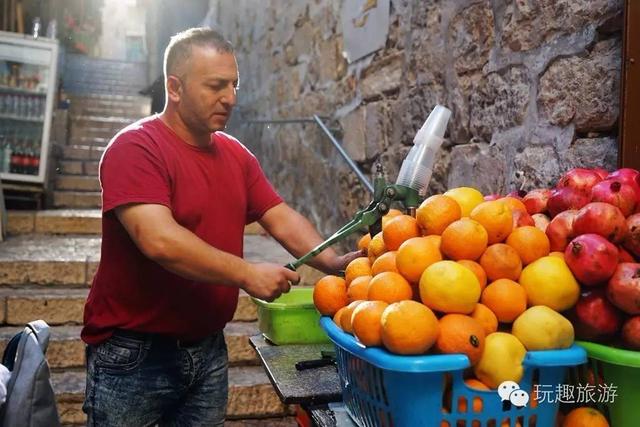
pixel 603 219
pixel 560 230
pixel 591 258
pixel 627 176
pixel 517 194
pixel 631 333
pixel 536 200
pixel 541 221
pixel 623 289
pixel 579 179
pixel 595 318
pixel 632 239
pixel 616 193
pixel 521 218
pixel 492 197
pixel 603 173
pixel 624 256
pixel 564 199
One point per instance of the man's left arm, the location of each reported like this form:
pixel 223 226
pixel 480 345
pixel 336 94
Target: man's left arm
pixel 298 236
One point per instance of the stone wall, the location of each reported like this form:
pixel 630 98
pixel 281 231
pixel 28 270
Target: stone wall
pixel 533 86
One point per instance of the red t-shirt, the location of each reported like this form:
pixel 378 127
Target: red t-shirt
pixel 213 192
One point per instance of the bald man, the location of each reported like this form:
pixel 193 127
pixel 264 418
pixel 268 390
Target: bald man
pixel 176 195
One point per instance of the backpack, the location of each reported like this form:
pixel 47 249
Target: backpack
pixel 30 398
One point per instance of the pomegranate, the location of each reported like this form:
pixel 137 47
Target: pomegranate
pixel 603 219
pixel 616 193
pixel 624 256
pixel 603 173
pixel 517 194
pixel 564 199
pixel 595 318
pixel 541 221
pixel 631 333
pixel 560 230
pixel 632 239
pixel 627 176
pixel 536 200
pixel 492 197
pixel 591 258
pixel 579 179
pixel 623 289
pixel 521 218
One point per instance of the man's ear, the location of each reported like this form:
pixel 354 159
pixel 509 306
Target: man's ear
pixel 174 88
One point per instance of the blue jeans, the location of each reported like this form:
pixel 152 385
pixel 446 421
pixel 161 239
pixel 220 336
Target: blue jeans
pixel 143 381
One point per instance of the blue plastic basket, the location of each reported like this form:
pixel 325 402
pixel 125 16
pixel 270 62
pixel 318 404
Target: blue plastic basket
pixel 384 389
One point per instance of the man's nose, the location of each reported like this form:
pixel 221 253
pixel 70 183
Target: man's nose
pixel 229 96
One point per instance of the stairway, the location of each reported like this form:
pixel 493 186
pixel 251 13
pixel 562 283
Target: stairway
pixel 46 267
pixel 95 119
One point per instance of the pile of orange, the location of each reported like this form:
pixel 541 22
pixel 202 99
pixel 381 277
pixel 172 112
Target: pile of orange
pixel 440 282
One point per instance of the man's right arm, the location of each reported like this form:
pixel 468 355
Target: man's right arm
pixel 159 237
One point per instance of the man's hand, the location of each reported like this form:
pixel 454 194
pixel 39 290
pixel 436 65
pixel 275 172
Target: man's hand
pixel 342 261
pixel 268 281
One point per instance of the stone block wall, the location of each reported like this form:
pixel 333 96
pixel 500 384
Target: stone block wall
pixel 533 86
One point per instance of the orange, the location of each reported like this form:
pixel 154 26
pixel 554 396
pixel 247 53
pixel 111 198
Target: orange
pixel 436 213
pixel 449 287
pixel 409 327
pixel 358 288
pixel 358 267
pixel 486 318
pixel 585 417
pixel 415 255
pixel 345 319
pixel 437 240
pixel 461 334
pixel 385 262
pixel 376 247
pixel 477 401
pixel 477 270
pixel 399 229
pixel 337 318
pixel 530 242
pixel 330 294
pixel 501 261
pixel 506 298
pixel 389 216
pixel 496 217
pixel 363 243
pixel 464 239
pixel 366 322
pixel 389 287
pixel 514 204
pixel 467 197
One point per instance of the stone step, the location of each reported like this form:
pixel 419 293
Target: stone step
pixel 87 132
pixel 67 350
pixel 29 259
pixel 82 152
pixel 54 306
pixel 250 395
pixel 77 183
pixel 77 199
pixel 263 422
pixel 79 167
pixel 88 140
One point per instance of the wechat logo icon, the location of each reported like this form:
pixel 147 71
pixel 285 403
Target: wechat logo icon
pixel 511 394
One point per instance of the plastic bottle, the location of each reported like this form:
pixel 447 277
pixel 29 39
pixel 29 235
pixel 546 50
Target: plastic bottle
pixel 417 167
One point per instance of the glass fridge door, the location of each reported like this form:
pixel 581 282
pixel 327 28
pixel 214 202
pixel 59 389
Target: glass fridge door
pixel 26 97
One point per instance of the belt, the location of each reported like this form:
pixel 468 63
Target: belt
pixel 159 339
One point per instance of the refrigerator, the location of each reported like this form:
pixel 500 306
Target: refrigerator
pixel 27 92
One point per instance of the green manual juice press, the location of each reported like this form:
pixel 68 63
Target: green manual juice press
pixel 409 189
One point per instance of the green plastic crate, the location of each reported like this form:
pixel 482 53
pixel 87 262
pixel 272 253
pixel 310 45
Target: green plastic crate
pixel 620 368
pixel 291 319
